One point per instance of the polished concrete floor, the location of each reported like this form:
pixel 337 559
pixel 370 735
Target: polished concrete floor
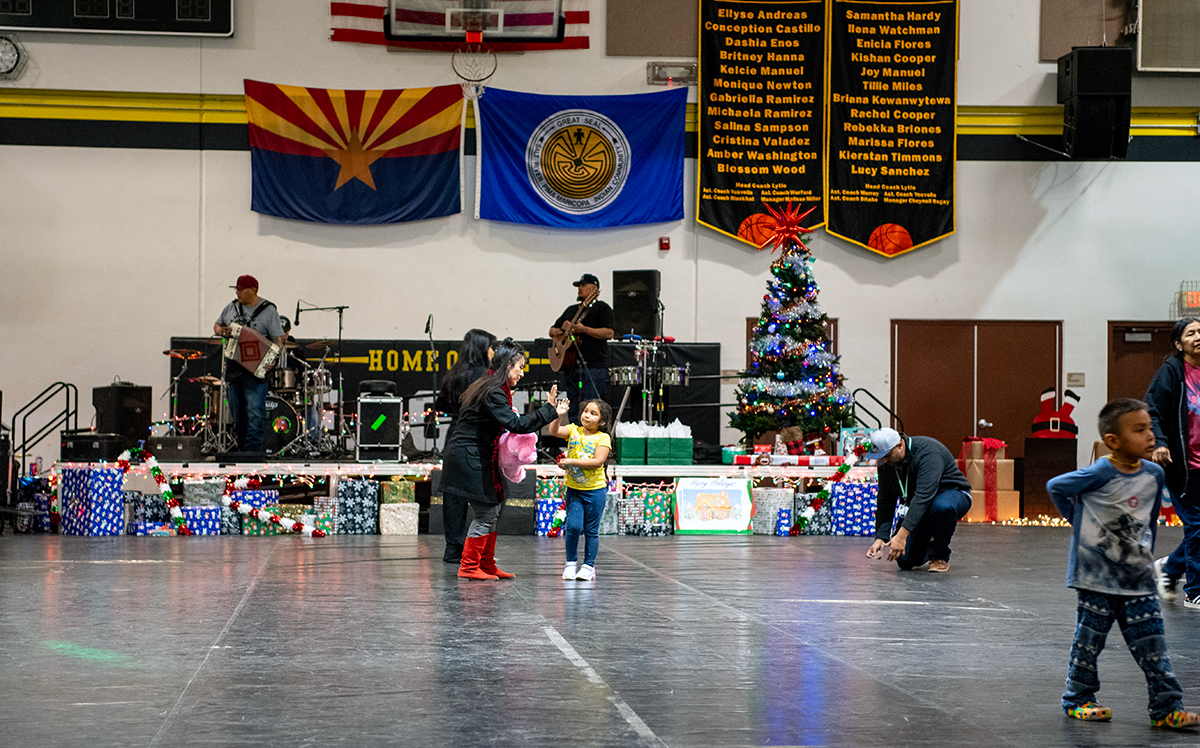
pixel 682 641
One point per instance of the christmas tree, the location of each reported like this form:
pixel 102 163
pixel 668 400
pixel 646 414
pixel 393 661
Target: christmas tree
pixel 793 379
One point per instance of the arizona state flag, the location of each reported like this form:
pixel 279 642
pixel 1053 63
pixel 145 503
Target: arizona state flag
pixel 355 157
pixel 580 161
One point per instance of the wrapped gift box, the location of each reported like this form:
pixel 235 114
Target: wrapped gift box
pixel 608 520
pixel 326 504
pixel 656 516
pixel 357 507
pixel 730 451
pixel 261 527
pixel 783 526
pixel 397 492
pixel 42 503
pixel 202 520
pixel 92 501
pixel 144 507
pixel 767 503
pixel 821 523
pixel 398 518
pixel 203 492
pixel 631 511
pixel 973 449
pixel 544 515
pixel 326 522
pixel 154 529
pixel 231 522
pixel 257 498
pixel 1008 506
pixel 976 470
pixel 853 510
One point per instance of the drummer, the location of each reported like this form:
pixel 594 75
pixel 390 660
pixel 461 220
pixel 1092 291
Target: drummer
pixel 247 394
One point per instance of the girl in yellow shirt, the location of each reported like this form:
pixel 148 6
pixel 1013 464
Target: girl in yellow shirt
pixel 588 445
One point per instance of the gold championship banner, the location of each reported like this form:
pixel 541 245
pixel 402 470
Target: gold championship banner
pixel 891 149
pixel 761 113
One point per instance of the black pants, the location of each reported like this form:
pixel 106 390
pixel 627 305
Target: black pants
pixel 454 521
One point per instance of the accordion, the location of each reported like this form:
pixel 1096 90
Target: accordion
pixel 250 348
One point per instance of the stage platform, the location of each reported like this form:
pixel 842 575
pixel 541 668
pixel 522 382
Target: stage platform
pixel 681 641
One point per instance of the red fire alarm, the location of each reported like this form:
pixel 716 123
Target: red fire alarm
pixel 664 242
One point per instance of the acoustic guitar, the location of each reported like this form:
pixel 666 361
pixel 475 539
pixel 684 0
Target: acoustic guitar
pixel 562 351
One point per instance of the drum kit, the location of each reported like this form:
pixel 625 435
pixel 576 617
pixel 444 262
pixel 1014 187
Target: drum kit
pixel 298 417
pixel 651 373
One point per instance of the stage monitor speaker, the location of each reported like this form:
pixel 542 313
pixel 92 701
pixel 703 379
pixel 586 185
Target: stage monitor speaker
pixel 379 422
pixel 635 302
pixel 123 408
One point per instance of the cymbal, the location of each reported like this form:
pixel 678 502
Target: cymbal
pixel 317 345
pixel 206 379
pixel 185 353
pixel 290 344
pixel 215 340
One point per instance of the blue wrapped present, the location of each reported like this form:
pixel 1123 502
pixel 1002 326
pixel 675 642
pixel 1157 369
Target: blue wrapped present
pixel 202 520
pixel 546 507
pixel 256 499
pixel 41 503
pixel 93 503
pixel 853 511
pixel 357 507
pixel 783 526
pixel 154 529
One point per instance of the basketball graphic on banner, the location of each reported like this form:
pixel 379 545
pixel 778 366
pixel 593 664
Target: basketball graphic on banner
pixel 757 228
pixel 578 160
pixel 890 239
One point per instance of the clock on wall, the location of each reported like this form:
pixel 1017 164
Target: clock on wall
pixel 12 57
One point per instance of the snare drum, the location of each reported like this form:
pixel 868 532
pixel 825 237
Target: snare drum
pixel 318 381
pixel 283 380
pixel 622 376
pixel 672 375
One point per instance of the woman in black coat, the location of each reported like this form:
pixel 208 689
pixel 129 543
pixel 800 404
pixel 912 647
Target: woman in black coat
pixel 471 469
pixel 474 357
pixel 1174 400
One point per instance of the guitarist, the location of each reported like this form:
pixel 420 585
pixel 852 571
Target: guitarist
pixel 247 393
pixel 586 372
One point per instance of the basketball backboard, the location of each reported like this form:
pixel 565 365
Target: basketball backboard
pixel 528 21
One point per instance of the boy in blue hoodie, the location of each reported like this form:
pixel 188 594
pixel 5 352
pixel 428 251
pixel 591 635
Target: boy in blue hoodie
pixel 1113 507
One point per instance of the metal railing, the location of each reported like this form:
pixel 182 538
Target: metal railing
pixel 858 406
pixel 67 417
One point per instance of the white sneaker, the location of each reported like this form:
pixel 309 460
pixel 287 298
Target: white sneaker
pixel 569 570
pixel 1166 585
pixel 586 573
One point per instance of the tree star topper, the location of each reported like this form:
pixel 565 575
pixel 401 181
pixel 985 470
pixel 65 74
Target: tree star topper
pixel 788 229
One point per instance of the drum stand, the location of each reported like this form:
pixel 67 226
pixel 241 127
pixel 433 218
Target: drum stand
pixel 340 448
pixel 216 441
pixel 172 423
pixel 309 442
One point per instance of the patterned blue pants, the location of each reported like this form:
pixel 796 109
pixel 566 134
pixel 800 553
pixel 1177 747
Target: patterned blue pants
pixel 1140 620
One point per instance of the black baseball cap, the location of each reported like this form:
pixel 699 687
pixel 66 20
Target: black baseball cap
pixel 585 279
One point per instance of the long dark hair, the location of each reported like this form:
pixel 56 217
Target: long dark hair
pixel 472 354
pixel 504 354
pixel 1177 335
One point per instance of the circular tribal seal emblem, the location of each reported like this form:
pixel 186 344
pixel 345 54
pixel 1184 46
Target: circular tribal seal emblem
pixel 577 160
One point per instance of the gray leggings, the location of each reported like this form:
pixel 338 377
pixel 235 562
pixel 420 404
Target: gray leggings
pixel 487 516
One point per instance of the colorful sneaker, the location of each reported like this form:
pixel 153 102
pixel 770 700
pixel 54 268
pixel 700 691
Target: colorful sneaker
pixel 1166 585
pixel 1090 711
pixel 939 566
pixel 586 573
pixel 1191 602
pixel 569 570
pixel 1178 720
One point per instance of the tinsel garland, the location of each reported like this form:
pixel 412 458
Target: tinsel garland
pixel 776 388
pixel 147 459
pixel 291 525
pixel 823 495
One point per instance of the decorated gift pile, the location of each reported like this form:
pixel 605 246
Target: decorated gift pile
pixel 92 501
pixel 767 503
pixel 202 520
pixel 357 507
pixel 854 508
pixel 398 518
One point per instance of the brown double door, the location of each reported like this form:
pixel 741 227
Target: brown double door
pixel 1135 351
pixel 956 378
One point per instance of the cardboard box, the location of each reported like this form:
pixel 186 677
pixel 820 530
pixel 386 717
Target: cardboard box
pixel 1008 506
pixel 974 470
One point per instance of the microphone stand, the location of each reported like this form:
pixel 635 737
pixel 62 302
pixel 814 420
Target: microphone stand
pixel 341 437
pixel 433 369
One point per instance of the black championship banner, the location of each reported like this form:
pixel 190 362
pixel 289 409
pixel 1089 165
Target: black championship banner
pixel 761 109
pixel 892 100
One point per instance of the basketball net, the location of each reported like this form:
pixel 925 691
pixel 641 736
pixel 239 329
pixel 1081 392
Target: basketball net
pixel 473 63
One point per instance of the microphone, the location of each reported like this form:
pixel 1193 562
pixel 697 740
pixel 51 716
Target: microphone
pixel 296 318
pixel 429 324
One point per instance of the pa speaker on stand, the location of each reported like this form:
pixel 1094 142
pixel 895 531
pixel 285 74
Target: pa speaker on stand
pixel 635 303
pixel 1095 88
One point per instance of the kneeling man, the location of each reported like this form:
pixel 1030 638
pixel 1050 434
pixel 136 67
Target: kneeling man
pixel 934 495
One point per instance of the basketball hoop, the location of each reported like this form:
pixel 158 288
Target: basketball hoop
pixel 474 64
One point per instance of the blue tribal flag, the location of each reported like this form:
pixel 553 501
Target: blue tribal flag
pixel 580 161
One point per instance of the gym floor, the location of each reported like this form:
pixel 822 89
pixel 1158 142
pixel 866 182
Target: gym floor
pixel 680 641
